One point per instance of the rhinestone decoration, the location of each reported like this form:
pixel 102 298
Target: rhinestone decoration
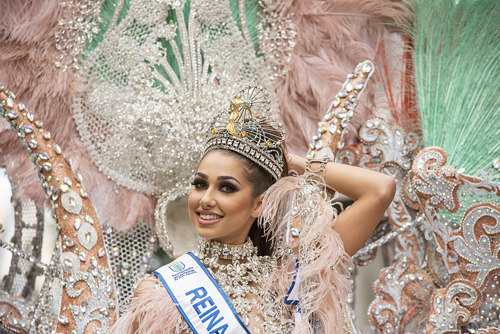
pixel 263 134
pixel 340 112
pixel 71 202
pixel 87 236
pixel 399 279
pixel 242 280
pixel 15 306
pixel 168 110
pixel 77 223
pixel 482 258
pixel 70 262
pixel 52 305
pixel 448 307
pixel 99 298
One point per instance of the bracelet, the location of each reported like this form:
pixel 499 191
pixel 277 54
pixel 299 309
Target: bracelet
pixel 319 174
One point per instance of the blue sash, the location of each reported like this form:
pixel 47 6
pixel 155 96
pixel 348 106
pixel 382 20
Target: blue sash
pixel 199 298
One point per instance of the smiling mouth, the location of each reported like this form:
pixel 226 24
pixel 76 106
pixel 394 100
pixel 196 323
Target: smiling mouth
pixel 209 217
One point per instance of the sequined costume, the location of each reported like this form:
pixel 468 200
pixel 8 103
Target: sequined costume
pixel 244 279
pixel 253 283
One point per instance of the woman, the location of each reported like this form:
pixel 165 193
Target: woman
pixel 235 184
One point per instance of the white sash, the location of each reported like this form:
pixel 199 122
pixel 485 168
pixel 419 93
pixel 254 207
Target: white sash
pixel 199 298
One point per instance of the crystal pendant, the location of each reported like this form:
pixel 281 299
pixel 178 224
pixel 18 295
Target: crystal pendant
pixel 328 115
pixel 332 128
pixel 366 68
pixel 11 114
pixel 341 114
pixel 344 122
pixel 336 102
pixel 43 155
pixel 359 86
pixel 101 252
pixel 56 194
pixel 67 180
pixel 28 129
pixel 94 262
pixel 87 236
pixel 9 102
pixel 57 149
pixel 47 166
pixel 78 223
pixel 33 144
pixel 63 320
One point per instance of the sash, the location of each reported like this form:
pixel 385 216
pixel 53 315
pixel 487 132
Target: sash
pixel 199 298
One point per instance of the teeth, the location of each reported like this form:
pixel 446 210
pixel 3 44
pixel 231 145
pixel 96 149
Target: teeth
pixel 209 217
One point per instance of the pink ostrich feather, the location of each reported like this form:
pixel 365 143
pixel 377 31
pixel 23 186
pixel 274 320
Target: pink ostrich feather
pixel 155 312
pixel 332 37
pixel 323 261
pixel 27 68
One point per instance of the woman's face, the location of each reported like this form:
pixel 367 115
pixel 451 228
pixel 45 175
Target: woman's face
pixel 221 206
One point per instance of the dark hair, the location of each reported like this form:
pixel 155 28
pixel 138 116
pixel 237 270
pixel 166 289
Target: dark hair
pixel 261 180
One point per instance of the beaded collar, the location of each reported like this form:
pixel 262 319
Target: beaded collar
pixel 214 249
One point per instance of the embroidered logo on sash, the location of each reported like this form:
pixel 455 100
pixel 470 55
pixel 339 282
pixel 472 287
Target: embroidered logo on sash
pixel 177 266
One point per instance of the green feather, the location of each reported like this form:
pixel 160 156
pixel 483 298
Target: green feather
pixel 457 62
pixel 252 17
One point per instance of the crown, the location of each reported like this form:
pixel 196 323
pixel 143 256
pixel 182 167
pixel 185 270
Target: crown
pixel 246 128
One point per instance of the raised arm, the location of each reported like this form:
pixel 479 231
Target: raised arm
pixel 371 191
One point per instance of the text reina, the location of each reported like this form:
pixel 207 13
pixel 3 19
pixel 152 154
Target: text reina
pixel 211 315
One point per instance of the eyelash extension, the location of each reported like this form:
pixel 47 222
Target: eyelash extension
pixel 229 186
pixel 198 182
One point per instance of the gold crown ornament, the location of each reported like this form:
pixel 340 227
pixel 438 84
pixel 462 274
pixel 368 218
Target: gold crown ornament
pixel 246 128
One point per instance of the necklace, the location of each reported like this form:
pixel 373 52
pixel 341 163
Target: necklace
pixel 241 273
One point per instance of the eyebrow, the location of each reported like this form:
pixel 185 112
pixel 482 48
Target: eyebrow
pixel 227 177
pixel 219 178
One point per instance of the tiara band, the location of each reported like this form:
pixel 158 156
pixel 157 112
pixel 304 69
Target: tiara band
pixel 246 129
